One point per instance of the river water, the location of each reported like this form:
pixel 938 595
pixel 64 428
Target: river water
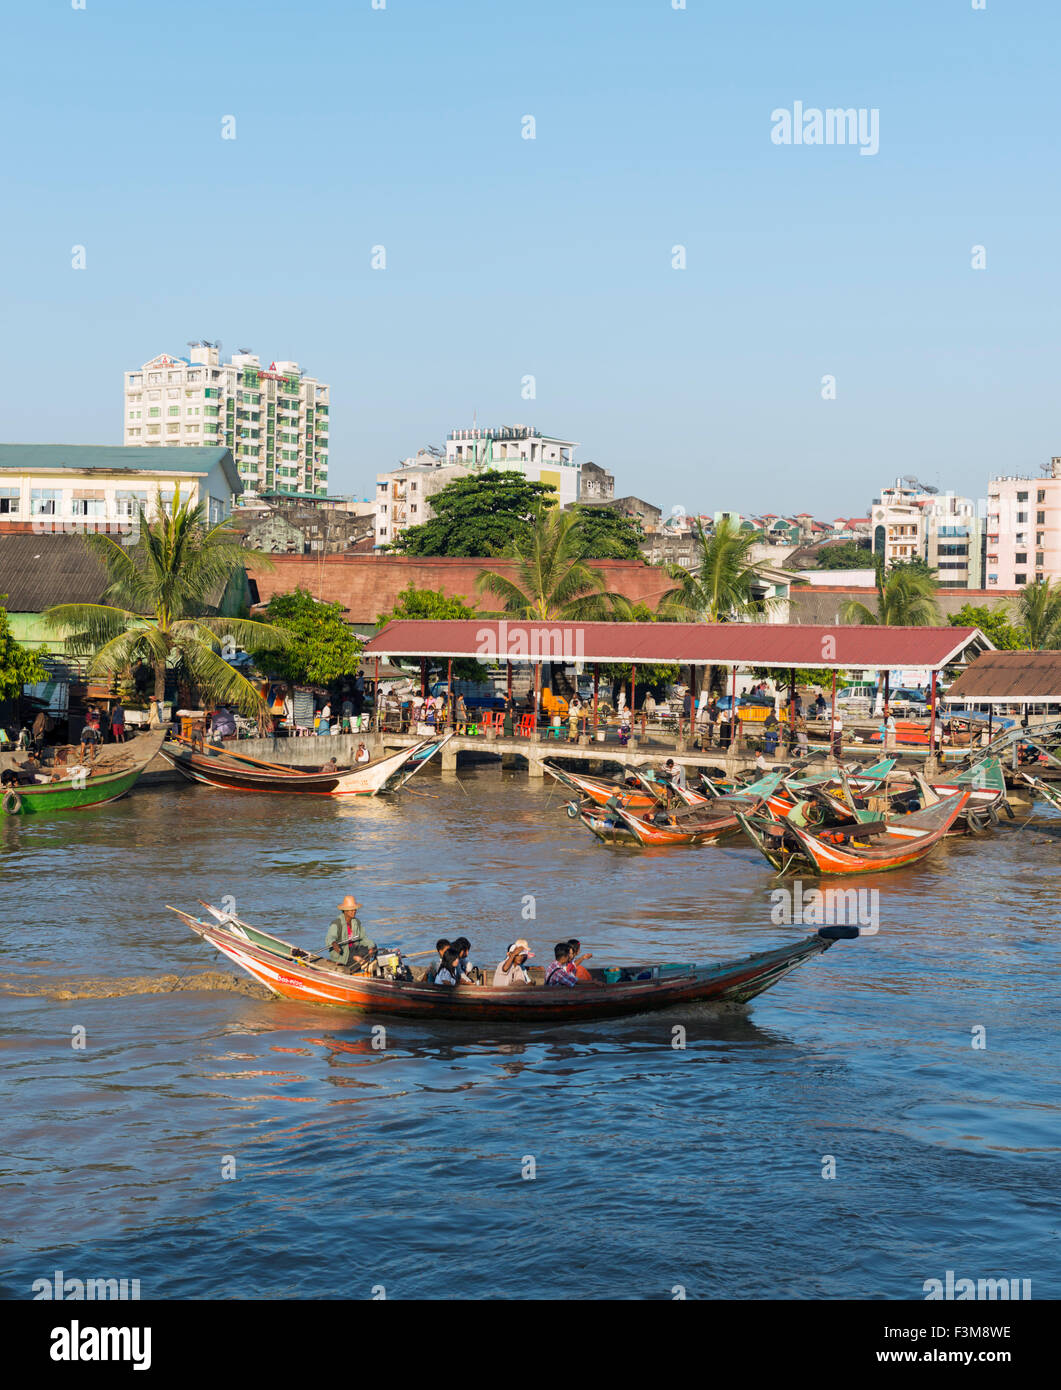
pixel 214 1144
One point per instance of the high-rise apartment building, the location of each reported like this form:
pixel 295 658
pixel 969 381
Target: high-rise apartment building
pixel 1024 529
pixel 274 419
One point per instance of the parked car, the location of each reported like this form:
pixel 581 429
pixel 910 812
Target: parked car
pixel 909 700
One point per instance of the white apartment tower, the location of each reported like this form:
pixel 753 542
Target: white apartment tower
pixel 274 419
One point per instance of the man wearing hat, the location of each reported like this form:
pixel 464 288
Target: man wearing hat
pixel 346 941
pixel 511 971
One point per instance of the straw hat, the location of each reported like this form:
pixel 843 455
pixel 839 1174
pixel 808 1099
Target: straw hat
pixel 522 946
pixel 349 904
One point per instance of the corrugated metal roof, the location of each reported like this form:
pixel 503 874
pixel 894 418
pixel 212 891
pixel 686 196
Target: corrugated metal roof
pixel 37 572
pixel 1017 677
pixel 698 644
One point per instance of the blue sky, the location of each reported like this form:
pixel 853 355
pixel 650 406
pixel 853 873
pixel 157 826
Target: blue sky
pixel 551 257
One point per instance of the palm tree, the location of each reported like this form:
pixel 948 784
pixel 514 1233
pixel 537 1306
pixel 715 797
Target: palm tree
pixel 1039 608
pixel 159 606
pixel 906 597
pixel 553 582
pixel 721 586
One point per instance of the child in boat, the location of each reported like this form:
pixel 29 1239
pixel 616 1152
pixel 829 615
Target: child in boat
pixel 449 970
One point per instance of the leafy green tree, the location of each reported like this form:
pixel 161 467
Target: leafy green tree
pixel 18 665
pixel 848 555
pixel 608 534
pixel 906 597
pixel 1040 612
pixel 321 647
pixel 484 514
pixel 161 606
pixel 436 605
pixel 994 623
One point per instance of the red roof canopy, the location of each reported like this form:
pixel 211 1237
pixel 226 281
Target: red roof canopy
pixel 868 647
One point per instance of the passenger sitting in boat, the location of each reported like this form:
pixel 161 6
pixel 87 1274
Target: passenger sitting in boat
pixel 556 972
pixel 347 940
pixel 442 945
pixel 575 965
pixel 469 973
pixel 363 755
pixel 511 970
pixel 449 970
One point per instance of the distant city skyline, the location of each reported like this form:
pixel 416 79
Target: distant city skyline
pixel 722 318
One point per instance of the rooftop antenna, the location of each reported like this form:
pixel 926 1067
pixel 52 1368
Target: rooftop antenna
pixel 244 351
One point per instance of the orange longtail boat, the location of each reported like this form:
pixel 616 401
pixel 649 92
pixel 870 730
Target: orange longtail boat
pixel 295 974
pixel 859 848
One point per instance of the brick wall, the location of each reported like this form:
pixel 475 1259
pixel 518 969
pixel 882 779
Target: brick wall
pixel 368 585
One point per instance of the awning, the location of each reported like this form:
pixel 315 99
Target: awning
pixel 1015 678
pixel 838 647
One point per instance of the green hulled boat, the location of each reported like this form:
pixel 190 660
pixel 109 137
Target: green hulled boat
pixel 113 775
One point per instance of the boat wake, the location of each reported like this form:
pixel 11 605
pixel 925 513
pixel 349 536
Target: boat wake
pixel 131 984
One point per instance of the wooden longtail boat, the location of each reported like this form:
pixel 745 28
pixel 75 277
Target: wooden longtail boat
pixel 651 790
pixel 1050 792
pixel 858 848
pixel 231 771
pixel 113 775
pixel 702 831
pixel 606 826
pixel 292 974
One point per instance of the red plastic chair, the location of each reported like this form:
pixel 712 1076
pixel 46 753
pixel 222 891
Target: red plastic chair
pixel 526 726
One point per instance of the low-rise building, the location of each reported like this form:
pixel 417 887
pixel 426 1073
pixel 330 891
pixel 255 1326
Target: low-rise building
pixel 598 485
pixel 50 488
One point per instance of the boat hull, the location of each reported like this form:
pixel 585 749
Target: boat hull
pixel 99 789
pixel 735 981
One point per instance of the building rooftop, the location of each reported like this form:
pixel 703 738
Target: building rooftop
pixel 120 458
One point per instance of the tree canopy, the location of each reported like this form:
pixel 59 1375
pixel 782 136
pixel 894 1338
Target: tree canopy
pixel 321 648
pixel 484 514
pixel 848 555
pixel 994 623
pixel 607 534
pixel 18 665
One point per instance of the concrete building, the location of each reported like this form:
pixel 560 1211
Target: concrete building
pixel 644 513
pixel 598 485
pixel 898 522
pixel 954 541
pixel 294 530
pixel 541 458
pixel 1024 529
pixel 403 495
pixel 68 488
pixel 275 420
